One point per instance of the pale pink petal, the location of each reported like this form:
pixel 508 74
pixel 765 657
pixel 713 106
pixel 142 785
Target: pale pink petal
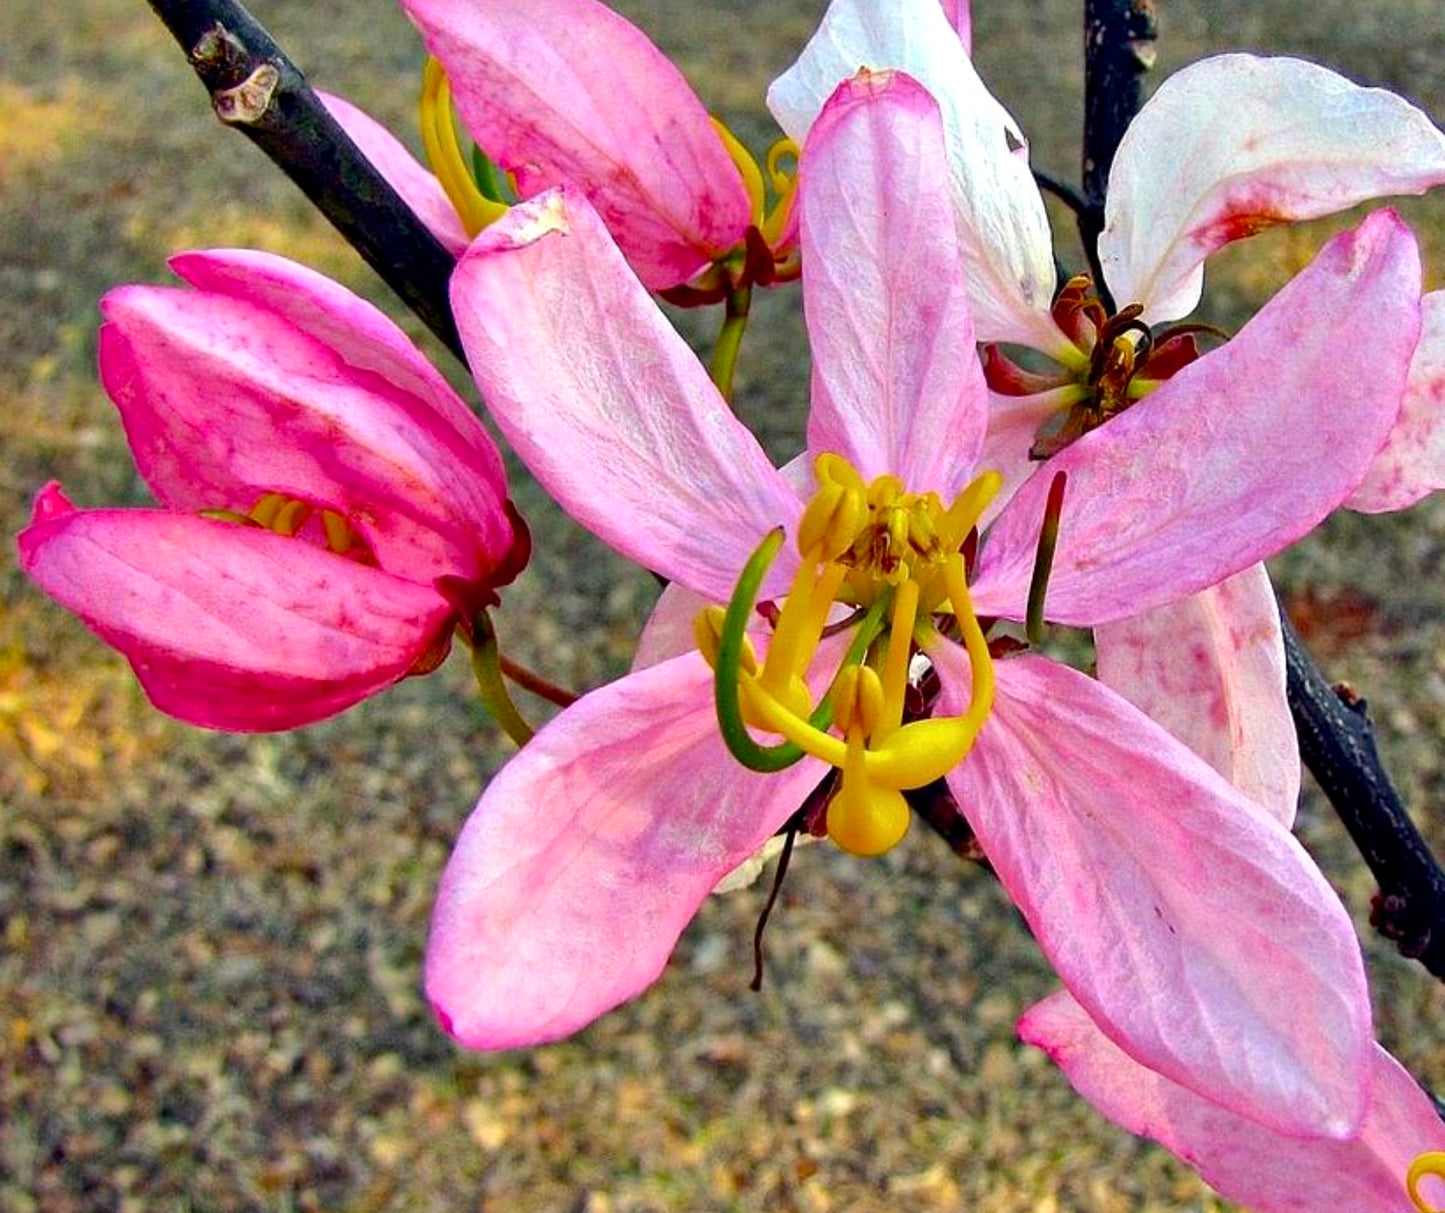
pixel 897 383
pixel 227 626
pixel 1210 669
pixel 668 631
pixel 225 398
pixel 589 853
pixel 416 184
pixel 1191 924
pixel 1237 455
pixel 607 405
pixel 1014 423
pixel 1412 463
pixel 960 16
pixel 1237 143
pixel 568 91
pixel 1242 1160
pixel 1000 213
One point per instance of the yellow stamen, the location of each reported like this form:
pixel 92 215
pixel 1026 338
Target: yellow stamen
pixel 707 635
pixel 1432 1164
pixel 752 175
pixel 785 188
pixel 899 555
pixel 444 153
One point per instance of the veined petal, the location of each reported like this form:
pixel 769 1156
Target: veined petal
pixel 668 631
pixel 416 184
pixel 589 853
pixel 1013 428
pixel 1237 143
pixel 1237 455
pixel 227 626
pixel 1412 463
pixel 1210 669
pixel 897 383
pixel 1242 1160
pixel 253 383
pixel 567 90
pixel 1174 908
pixel 607 405
pixel 999 210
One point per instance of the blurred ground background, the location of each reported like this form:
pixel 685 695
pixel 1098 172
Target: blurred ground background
pixel 208 984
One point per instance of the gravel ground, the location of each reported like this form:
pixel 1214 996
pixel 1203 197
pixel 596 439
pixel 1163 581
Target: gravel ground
pixel 208 984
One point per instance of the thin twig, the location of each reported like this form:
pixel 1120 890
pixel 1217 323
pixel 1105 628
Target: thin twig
pixel 1337 744
pixel 257 89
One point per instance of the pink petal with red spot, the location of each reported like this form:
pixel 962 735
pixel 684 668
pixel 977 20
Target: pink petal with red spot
pixel 568 91
pixel 416 184
pixel 607 405
pixel 897 383
pixel 1237 455
pixel 1412 463
pixel 589 853
pixel 1237 143
pixel 1210 669
pixel 1242 1160
pixel 999 211
pixel 1175 909
pixel 228 626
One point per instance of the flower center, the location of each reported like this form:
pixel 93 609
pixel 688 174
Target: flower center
pixel 894 560
pixel 1115 360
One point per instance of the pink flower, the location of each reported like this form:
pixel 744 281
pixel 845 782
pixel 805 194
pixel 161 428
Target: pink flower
pixel 1267 1171
pixel 1173 907
pixel 568 91
pixel 329 508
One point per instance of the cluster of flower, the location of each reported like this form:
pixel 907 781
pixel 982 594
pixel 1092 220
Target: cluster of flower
pixel 332 513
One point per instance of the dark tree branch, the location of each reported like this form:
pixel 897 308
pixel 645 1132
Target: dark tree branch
pixel 1119 38
pixel 1337 743
pixel 257 89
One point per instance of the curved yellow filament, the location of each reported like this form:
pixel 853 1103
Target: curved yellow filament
pixel 1431 1163
pixel 444 153
pixel 785 187
pixel 752 175
pixel 895 664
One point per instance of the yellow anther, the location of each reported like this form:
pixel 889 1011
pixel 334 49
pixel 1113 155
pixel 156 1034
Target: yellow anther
pixel 798 631
pixel 291 517
pixel 831 521
pixel 968 508
pixel 885 491
pixel 858 700
pixel 865 818
pixel 900 653
pixel 444 153
pixel 748 167
pixel 339 535
pixel 1430 1164
pixel 707 634
pixel 267 506
pixel 829 468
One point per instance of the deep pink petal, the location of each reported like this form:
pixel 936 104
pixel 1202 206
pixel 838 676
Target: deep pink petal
pixel 227 626
pixel 227 395
pixel 1242 1160
pixel 1237 455
pixel 1237 143
pixel 416 184
pixel 1190 924
pixel 998 208
pixel 589 853
pixel 607 405
pixel 1412 463
pixel 568 91
pixel 1210 669
pixel 897 383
